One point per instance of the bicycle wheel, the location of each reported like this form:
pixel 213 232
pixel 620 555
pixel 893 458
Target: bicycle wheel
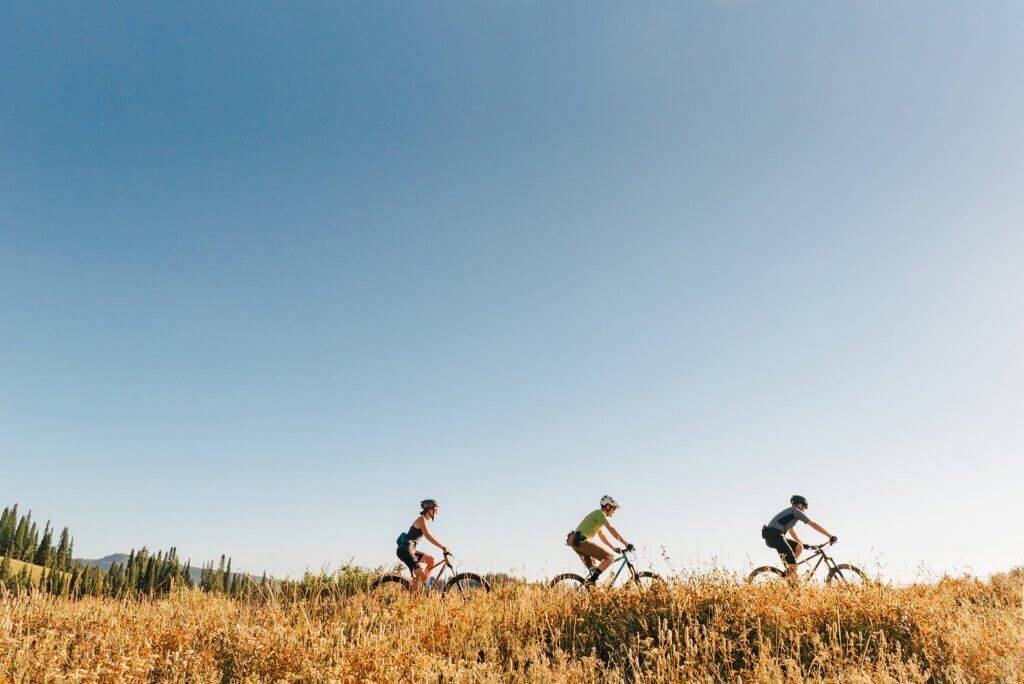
pixel 467 582
pixel 389 584
pixel 766 574
pixel 847 575
pixel 568 582
pixel 648 580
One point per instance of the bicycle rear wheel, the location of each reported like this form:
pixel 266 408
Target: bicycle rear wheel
pixel 846 575
pixel 466 583
pixel 766 574
pixel 568 581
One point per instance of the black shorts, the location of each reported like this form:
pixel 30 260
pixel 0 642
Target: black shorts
pixel 774 539
pixel 408 554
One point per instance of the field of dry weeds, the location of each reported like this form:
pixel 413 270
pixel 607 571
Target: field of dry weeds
pixel 698 629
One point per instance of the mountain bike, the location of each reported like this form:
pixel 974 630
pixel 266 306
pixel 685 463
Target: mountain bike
pixel 842 573
pixel 458 582
pixel 633 577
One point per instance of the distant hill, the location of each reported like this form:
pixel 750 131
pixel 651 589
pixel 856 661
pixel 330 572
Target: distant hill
pixel 122 558
pixel 105 562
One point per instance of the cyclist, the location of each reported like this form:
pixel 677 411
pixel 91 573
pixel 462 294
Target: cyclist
pixel 785 521
pixel 420 564
pixel 589 551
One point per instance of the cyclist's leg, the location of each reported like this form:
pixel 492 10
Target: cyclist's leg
pixel 784 547
pixel 428 562
pixel 795 549
pixel 408 554
pixel 595 553
pixel 587 560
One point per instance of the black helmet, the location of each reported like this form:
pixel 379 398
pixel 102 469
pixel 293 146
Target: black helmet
pixel 798 500
pixel 427 504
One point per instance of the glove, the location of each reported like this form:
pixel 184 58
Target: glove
pixel 630 547
pixel 833 539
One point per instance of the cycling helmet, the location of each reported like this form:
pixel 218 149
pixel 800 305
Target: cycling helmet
pixel 607 500
pixel 428 504
pixel 798 500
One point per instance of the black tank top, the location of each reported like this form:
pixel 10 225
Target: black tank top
pixel 414 532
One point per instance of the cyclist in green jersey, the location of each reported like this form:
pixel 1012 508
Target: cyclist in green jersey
pixel 593 525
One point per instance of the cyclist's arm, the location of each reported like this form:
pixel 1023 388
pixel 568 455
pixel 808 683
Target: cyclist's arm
pixel 431 538
pixel 600 533
pixel 615 533
pixel 819 528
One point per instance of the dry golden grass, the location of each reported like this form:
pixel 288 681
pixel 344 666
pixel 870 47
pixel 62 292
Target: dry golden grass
pixel 703 629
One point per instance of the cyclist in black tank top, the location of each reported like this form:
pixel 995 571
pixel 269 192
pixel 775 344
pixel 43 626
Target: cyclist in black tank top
pixel 414 533
pixel 420 564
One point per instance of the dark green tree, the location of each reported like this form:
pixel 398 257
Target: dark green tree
pixel 45 544
pixel 5 570
pixel 64 550
pixel 7 528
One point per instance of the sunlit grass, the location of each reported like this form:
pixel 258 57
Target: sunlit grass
pixel 704 628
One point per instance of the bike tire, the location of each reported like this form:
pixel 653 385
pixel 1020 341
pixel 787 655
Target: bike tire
pixel 647 580
pixel 568 580
pixel 466 582
pixel 387 580
pixel 845 572
pixel 766 572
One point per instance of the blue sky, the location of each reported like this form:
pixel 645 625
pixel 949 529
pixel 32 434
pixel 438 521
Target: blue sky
pixel 272 275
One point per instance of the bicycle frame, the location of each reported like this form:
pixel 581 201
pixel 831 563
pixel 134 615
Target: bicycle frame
pixel 445 563
pixel 624 563
pixel 820 555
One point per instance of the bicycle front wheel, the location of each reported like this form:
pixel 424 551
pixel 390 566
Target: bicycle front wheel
pixel 569 582
pixel 846 575
pixel 648 580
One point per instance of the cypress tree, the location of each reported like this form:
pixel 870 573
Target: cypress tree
pixel 31 543
pixel 24 579
pixel 64 550
pixel 3 526
pixel 7 531
pixel 44 545
pixel 150 580
pixel 206 578
pixel 5 570
pixel 20 540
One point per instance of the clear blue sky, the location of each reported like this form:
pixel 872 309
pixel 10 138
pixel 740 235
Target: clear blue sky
pixel 271 275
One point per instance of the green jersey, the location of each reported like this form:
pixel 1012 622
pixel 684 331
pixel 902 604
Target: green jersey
pixel 589 526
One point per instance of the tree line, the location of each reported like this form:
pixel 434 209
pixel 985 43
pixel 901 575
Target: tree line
pixel 143 574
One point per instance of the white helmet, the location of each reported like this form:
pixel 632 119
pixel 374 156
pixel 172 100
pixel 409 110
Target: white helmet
pixel 607 500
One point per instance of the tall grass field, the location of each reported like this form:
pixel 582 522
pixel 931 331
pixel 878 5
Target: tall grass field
pixel 706 628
